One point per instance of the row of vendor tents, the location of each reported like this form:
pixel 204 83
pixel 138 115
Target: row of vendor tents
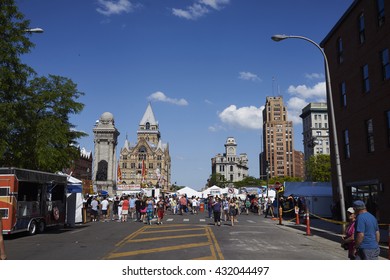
pixel 317 195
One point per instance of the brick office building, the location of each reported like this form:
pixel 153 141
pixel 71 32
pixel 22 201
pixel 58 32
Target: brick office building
pixel 358 52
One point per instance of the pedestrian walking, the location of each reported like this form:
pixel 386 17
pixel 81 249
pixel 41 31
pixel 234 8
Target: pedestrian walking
pixel 161 207
pixel 269 208
pixel 132 207
pixel 367 233
pixel 115 206
pixel 104 204
pixel 183 204
pixel 149 210
pixel 348 239
pixel 217 206
pixel 94 209
pixel 125 209
pixel 233 210
pixel 210 201
pixel 225 207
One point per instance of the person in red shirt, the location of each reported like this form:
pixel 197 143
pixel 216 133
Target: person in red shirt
pixel 125 208
pixel 161 207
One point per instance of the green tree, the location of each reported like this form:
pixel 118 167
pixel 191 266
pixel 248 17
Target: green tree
pixel 318 168
pixel 217 179
pixel 248 181
pixel 34 111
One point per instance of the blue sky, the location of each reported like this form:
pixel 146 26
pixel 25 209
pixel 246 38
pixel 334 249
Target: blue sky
pixel 206 66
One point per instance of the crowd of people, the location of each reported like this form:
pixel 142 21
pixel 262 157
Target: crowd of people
pixel 142 208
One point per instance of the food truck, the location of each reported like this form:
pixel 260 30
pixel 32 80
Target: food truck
pixel 31 200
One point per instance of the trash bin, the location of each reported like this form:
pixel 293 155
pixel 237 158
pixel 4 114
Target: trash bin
pixel 201 207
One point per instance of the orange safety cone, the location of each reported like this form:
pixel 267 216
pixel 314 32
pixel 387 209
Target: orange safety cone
pixel 307 222
pixel 280 215
pixel 296 215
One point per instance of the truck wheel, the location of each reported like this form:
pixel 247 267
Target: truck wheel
pixel 41 226
pixel 32 229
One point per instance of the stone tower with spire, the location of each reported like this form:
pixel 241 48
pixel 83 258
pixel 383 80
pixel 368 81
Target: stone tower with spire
pixel 147 162
pixel 104 164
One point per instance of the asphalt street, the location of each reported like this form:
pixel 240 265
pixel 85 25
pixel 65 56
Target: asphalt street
pixel 186 237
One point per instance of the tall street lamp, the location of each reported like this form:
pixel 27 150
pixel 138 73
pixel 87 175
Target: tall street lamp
pixel 278 38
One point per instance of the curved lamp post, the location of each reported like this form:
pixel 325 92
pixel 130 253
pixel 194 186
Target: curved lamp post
pixel 278 38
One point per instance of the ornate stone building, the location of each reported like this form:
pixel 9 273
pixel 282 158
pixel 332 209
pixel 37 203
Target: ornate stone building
pixel 147 162
pixel 104 165
pixel 230 166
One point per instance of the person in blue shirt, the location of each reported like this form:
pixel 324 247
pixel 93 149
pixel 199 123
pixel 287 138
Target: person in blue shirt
pixel 367 233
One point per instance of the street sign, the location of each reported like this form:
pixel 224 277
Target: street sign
pixel 231 190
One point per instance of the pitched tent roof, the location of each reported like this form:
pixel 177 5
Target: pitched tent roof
pixel 189 192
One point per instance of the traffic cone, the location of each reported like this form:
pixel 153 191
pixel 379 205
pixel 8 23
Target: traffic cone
pixel 307 222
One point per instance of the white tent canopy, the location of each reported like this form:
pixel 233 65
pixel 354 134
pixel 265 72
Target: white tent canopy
pixel 214 190
pixel 189 192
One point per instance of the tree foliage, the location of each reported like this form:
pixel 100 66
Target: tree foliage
pixel 318 168
pixel 34 111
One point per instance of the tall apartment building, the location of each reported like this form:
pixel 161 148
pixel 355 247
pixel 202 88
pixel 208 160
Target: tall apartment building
pixel 147 162
pixel 358 52
pixel 315 130
pixel 278 148
pixel 229 165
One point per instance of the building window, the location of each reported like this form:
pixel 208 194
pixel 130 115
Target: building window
pixel 366 80
pixel 340 51
pixel 362 28
pixel 147 125
pixel 385 64
pixel 347 152
pixel 370 136
pixel 388 126
pixel 343 92
pixel 381 12
pixel 231 168
pixel 151 165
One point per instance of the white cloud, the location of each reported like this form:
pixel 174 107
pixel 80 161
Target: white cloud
pixel 216 127
pixel 199 8
pixel 294 107
pixel 244 117
pixel 318 91
pixel 192 12
pixel 208 102
pixel 161 97
pixel 215 4
pixel 109 8
pixel 303 95
pixel 313 76
pixel 248 76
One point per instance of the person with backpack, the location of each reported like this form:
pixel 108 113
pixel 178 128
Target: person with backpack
pixel 217 206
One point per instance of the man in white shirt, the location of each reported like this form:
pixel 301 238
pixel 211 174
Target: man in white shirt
pixel 105 205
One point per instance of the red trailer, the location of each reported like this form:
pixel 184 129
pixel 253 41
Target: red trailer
pixel 31 200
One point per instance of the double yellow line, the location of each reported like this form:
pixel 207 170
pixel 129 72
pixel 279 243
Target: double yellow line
pixel 212 243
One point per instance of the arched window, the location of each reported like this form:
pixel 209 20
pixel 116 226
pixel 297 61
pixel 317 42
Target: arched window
pixel 147 125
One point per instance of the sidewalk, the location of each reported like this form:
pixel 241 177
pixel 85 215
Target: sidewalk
pixel 333 232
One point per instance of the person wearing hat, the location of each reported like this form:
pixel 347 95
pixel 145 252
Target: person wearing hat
pixel 367 234
pixel 348 239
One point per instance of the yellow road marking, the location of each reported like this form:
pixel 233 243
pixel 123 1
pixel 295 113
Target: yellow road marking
pixel 173 230
pixel 156 250
pixel 166 237
pixel 212 242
